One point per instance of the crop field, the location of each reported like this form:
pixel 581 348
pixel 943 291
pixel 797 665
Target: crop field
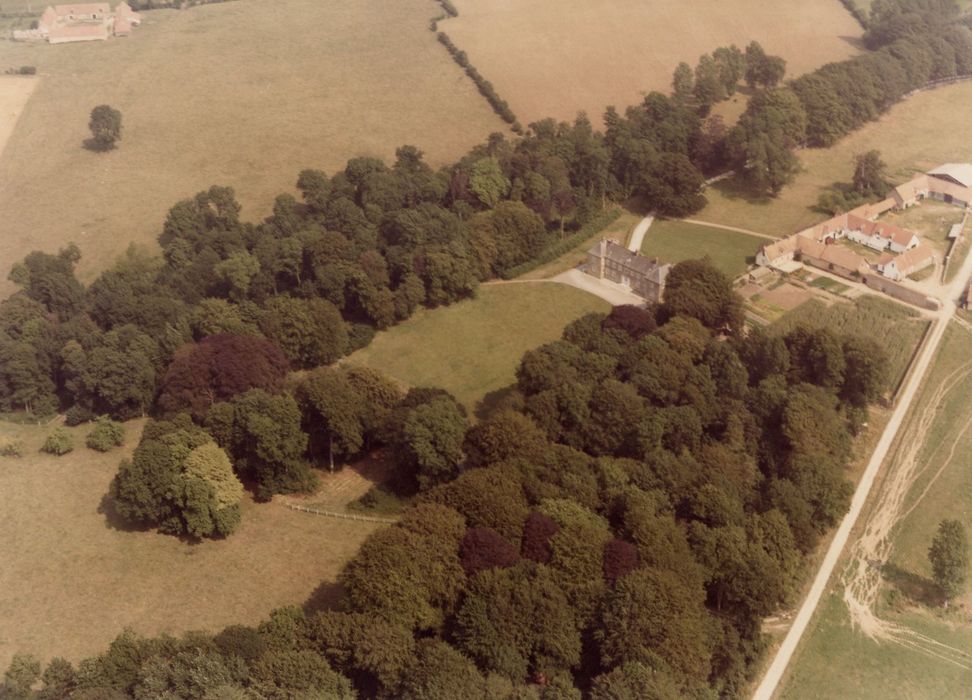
pixel 474 347
pixel 246 94
pixel 70 581
pixel 927 129
pixel 15 90
pixel 930 654
pixel 674 241
pixel 550 61
pixel 897 327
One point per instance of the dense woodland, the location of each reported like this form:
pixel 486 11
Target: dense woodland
pixel 646 494
pixel 618 527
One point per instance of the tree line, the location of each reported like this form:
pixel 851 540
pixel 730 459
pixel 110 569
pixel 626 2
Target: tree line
pixel 617 527
pixel 912 41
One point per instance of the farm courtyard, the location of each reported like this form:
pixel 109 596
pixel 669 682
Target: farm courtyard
pixel 550 63
pixel 70 582
pixel 238 94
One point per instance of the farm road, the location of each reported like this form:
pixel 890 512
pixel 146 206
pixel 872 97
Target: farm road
pixel 885 514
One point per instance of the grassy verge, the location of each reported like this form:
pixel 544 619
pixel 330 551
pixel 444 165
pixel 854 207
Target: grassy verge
pixel 620 228
pixel 674 241
pixel 473 347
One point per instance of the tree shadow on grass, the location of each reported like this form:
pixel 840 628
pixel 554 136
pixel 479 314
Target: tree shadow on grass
pixel 736 187
pixel 326 596
pixel 97 146
pixel 915 588
pixel 113 520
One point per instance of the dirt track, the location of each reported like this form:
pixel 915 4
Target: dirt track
pixel 863 585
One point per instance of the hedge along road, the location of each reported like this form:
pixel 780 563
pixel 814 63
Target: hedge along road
pixel 948 294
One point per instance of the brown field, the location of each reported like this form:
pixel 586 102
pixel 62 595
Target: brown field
pixel 14 93
pixel 69 582
pixel 927 129
pixel 245 94
pixel 787 296
pixel 549 58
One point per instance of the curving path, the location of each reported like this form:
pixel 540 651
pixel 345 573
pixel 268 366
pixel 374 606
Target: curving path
pixel 638 235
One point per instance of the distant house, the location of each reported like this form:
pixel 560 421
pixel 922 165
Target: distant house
pixel 61 24
pixel 643 276
pixel 897 267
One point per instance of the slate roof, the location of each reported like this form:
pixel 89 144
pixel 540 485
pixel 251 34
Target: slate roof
pixel 639 264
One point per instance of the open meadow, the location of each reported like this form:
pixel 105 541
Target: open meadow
pixel 473 347
pixel 927 129
pixel 928 653
pixel 246 94
pixel 547 61
pixel 70 582
pixel 675 241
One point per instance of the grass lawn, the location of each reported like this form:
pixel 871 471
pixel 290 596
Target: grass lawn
pixel 473 347
pixel 836 661
pixel 244 93
pixel 674 241
pixel 925 130
pixel 897 327
pixel 549 58
pixel 70 582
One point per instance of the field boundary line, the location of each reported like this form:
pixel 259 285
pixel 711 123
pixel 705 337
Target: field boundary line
pixel 336 514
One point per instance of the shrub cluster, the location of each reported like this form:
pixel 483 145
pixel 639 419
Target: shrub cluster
pixel 105 435
pixel 58 443
pixel 11 448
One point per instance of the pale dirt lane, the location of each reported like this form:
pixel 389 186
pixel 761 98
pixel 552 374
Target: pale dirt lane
pixel 771 679
pixel 638 235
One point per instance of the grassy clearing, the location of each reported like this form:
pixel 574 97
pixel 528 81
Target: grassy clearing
pixel 246 93
pixel 548 61
pixel 898 328
pixel 70 582
pixel 473 347
pixel 925 130
pixel 836 661
pixel 674 241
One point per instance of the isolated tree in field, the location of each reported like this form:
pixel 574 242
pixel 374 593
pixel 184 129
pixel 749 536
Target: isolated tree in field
pixel 949 557
pixel 106 126
pixel 869 174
